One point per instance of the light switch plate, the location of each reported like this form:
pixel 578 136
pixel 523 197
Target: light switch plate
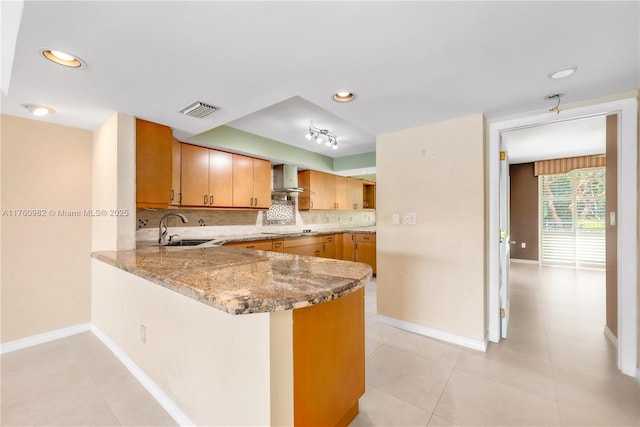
pixel 410 219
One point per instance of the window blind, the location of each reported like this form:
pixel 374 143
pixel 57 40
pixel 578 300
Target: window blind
pixel 573 217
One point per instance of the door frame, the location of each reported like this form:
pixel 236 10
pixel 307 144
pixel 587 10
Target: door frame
pixel 627 214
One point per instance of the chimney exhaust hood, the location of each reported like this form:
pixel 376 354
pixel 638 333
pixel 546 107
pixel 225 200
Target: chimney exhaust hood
pixel 285 179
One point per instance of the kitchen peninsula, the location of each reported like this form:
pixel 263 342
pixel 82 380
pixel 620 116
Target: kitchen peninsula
pixel 239 337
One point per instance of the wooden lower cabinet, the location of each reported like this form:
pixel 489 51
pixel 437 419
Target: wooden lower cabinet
pixel 365 250
pixel 258 245
pixel 328 361
pixel 358 247
pixel 349 246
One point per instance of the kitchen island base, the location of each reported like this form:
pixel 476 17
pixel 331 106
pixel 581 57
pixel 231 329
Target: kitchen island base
pixel 223 369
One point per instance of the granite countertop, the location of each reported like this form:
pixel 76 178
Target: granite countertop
pixel 271 235
pixel 242 281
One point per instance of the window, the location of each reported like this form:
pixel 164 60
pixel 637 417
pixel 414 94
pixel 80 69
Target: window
pixel 573 218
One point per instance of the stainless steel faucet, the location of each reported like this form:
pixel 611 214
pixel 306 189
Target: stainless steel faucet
pixel 162 228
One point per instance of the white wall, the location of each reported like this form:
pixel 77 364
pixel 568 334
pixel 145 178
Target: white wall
pixel 432 274
pixel 46 275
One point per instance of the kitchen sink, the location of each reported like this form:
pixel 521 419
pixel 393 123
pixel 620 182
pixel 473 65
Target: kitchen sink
pixel 191 242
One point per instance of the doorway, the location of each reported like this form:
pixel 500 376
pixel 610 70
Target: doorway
pixel 626 111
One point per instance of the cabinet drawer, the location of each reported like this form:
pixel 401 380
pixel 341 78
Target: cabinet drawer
pixel 360 237
pixel 259 245
pixel 315 249
pixel 291 242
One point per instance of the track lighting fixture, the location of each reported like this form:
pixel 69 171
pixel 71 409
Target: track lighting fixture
pixel 322 135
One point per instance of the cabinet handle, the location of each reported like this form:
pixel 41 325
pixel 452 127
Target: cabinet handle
pixel 211 199
pixel 251 203
pixel 311 204
pixel 355 206
pixel 256 202
pixel 172 195
pixel 206 198
pixel 317 253
pixel 251 247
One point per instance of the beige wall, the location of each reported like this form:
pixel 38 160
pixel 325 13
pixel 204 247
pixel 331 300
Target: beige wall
pixel 432 274
pixel 638 284
pixel 114 183
pixel 46 269
pixel 214 366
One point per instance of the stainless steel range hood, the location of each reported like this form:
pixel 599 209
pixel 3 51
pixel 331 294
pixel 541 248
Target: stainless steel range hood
pixel 285 179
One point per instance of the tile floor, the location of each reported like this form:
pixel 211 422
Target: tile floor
pixel 75 381
pixel 556 368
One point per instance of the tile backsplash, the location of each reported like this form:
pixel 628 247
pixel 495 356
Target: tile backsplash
pixel 282 216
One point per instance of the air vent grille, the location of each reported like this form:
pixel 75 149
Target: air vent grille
pixel 198 109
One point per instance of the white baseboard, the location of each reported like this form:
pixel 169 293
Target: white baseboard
pixel 610 336
pixel 524 261
pixel 43 338
pixel 434 333
pixel 167 404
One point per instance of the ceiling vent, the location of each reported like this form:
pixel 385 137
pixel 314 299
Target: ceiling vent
pixel 198 109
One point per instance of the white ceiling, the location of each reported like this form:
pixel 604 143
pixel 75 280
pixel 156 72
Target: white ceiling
pixel 272 66
pixel 572 138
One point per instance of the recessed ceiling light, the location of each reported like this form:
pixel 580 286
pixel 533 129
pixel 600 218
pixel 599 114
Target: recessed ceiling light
pixel 343 96
pixel 563 72
pixel 39 110
pixel 63 58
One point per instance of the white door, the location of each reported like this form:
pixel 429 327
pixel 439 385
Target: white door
pixel 504 243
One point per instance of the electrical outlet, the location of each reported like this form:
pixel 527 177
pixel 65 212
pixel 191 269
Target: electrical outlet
pixel 143 333
pixel 523 245
pixel 410 219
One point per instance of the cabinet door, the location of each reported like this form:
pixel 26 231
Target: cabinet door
pixel 348 247
pixel 153 164
pixel 355 193
pixel 220 179
pixel 366 252
pixel 327 191
pixel 329 247
pixel 341 193
pixel 176 155
pixel 308 250
pixel 242 181
pixel 262 183
pixel 195 175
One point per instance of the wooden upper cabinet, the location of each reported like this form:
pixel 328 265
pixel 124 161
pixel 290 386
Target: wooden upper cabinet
pixel 154 165
pixel 176 169
pixel 319 190
pixel 341 199
pixel 195 175
pixel 329 192
pixel 220 179
pixel 251 182
pixel 369 191
pixel 206 177
pixel 355 193
pixel 262 183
